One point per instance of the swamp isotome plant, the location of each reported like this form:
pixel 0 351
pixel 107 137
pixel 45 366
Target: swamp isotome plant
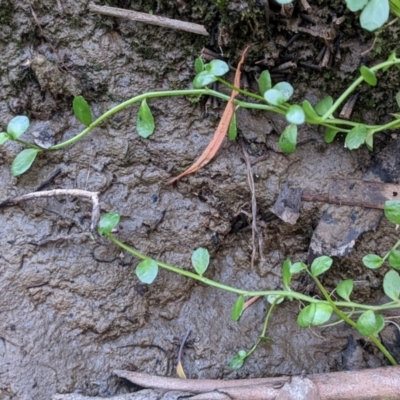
pixel 272 97
pixel 325 311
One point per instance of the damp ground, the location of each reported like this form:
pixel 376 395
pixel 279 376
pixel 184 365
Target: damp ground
pixel 72 309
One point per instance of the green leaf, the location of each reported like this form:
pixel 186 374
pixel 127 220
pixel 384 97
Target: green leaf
pixel 200 260
pixel 107 223
pixel 370 324
pixel 271 298
pixel 17 126
pixel 330 134
pixel 286 275
pixel 237 308
pixel 82 110
pixel 372 261
pixel 314 314
pixel 392 211
pixel 288 139
pixel 356 5
pixel 356 137
pixel 390 58
pixel 391 285
pixel 274 97
pixel 232 130
pixel 398 99
pixel 394 259
pixel 286 89
pixel 345 288
pixel 297 267
pixel 23 161
pixel 145 121
pixel 369 141
pixel 321 265
pixel 310 112
pixel 217 67
pixel 368 75
pixel 238 361
pixel 3 137
pixel 198 65
pixel 264 82
pixel 147 271
pixel 324 105
pixel 295 115
pixel 204 78
pixel 374 14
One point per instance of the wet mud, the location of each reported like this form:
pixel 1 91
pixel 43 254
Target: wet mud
pixel 72 309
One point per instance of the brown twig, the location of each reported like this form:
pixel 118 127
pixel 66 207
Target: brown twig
pixel 350 385
pixel 254 227
pixel 93 196
pixel 149 19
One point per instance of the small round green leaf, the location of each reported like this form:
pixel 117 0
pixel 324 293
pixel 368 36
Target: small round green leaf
pixel 330 134
pixel 23 161
pixel 372 261
pixel 394 259
pixel 324 105
pixel 295 115
pixel 391 285
pixel 264 82
pixel 232 131
pixel 345 288
pixel 321 265
pixel 274 97
pixel 17 126
pixel 3 137
pixel 356 5
pixel 392 211
pixel 374 14
pixel 297 267
pixel 200 260
pixel 237 308
pixel 288 139
pixel 310 112
pixel 204 78
pixel 286 89
pixel 198 65
pixel 82 110
pixel 314 314
pixel 272 298
pixel 217 67
pixel 147 271
pixel 107 223
pixel 238 361
pixel 286 275
pixel 370 324
pixel 145 121
pixel 368 75
pixel 356 137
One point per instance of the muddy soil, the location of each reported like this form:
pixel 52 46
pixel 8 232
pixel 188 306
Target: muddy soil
pixel 72 309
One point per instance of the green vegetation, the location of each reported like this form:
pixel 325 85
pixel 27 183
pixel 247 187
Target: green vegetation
pixel 366 319
pixel 271 98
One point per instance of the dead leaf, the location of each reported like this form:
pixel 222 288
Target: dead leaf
pixel 222 129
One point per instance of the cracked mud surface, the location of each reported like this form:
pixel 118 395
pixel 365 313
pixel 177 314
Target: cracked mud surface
pixel 72 309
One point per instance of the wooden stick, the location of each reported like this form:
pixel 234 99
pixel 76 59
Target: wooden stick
pixel 149 19
pixel 367 384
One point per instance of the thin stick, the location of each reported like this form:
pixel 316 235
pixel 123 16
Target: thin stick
pixel 254 227
pixel 93 196
pixel 149 19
